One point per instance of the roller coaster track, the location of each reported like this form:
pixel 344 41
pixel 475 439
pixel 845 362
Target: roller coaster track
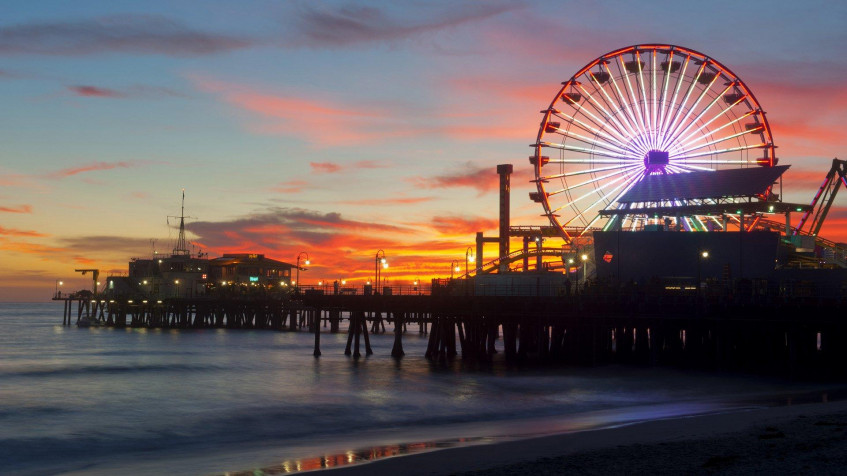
pixel 518 255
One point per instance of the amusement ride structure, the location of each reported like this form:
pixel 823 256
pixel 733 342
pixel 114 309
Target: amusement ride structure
pixel 659 138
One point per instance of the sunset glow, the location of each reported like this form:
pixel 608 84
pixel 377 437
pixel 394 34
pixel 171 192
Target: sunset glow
pixel 340 128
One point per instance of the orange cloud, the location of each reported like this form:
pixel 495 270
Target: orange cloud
pixel 291 186
pixel 13 232
pixel 457 226
pixel 17 209
pixel 391 201
pixel 472 176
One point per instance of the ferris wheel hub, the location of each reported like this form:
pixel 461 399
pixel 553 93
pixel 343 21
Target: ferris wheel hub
pixel 656 161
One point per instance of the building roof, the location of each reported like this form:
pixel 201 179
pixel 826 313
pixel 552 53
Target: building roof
pixel 745 182
pixel 248 258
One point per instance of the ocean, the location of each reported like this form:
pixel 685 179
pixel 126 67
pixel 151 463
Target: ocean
pixel 135 401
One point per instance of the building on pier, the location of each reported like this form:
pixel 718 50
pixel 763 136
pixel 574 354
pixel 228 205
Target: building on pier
pixel 250 269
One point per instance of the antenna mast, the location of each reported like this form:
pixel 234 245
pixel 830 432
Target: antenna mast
pixel 181 248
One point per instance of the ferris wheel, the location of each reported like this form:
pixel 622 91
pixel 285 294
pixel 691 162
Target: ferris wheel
pixel 640 111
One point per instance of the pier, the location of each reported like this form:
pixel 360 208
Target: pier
pixel 799 336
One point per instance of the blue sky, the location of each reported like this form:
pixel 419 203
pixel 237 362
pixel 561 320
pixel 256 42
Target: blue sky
pixel 339 127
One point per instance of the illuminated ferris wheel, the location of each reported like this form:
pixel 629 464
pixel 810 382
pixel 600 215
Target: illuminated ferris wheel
pixel 640 111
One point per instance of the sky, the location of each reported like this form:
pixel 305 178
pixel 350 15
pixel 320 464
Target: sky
pixel 340 128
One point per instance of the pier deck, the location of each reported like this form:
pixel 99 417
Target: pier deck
pixel 799 337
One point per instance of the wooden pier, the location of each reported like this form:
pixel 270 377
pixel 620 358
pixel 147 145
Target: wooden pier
pixel 801 337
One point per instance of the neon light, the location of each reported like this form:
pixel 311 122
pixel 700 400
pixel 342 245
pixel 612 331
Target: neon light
pixel 704 111
pixel 731 149
pixel 733 136
pixel 588 128
pixel 693 107
pixel 630 115
pixel 654 103
pixel 598 121
pixel 692 168
pixel 589 140
pixel 685 144
pixel 614 200
pixel 667 74
pixel 673 125
pixel 592 192
pixel 675 95
pixel 625 171
pixel 583 149
pixel 604 111
pixel 630 129
pixel 633 99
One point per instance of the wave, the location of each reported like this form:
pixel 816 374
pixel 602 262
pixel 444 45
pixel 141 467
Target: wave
pixel 71 370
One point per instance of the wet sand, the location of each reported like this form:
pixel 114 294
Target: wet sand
pixel 788 439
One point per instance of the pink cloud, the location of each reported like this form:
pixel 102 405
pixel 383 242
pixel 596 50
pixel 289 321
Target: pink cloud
pixel 325 123
pixel 68 172
pixel 291 186
pixel 94 91
pixel 325 167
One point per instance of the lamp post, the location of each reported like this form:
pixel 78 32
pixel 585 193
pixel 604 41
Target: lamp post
pixel 58 283
pixel 379 263
pixel 176 281
pixel 702 255
pixel 454 266
pixel 584 258
pixel 416 286
pixel 297 278
pixel 469 258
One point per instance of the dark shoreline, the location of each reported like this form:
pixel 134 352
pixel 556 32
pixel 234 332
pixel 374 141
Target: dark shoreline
pixel 784 439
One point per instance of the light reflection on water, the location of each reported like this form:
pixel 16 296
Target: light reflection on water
pixel 101 400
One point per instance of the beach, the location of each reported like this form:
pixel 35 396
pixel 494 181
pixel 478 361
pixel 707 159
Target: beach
pixel 788 439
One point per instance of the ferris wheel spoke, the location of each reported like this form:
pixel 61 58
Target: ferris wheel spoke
pixel 675 120
pixel 589 140
pixel 693 122
pixel 598 120
pixel 626 105
pixel 590 193
pixel 673 102
pixel 685 141
pixel 584 150
pixel 633 97
pixel 669 137
pixel 693 168
pixel 620 127
pixel 594 180
pixel 716 141
pixel 634 162
pixel 643 102
pixel 603 198
pixel 609 101
pixel 664 95
pixel 654 103
pixel 588 128
pixel 591 171
pixel 716 152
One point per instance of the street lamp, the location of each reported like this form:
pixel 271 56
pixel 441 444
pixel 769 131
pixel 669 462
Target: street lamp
pixel 469 258
pixel 297 278
pixel 454 266
pixel 58 283
pixel 380 263
pixel 176 281
pixel 584 258
pixel 703 255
